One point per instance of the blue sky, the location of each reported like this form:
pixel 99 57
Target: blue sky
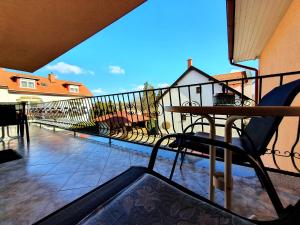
pixel 152 43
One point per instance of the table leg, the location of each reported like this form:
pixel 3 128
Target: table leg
pixel 228 161
pixel 212 157
pixel 228 176
pixel 3 133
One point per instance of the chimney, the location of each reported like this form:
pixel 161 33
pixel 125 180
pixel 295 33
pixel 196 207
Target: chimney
pixel 190 62
pixel 51 77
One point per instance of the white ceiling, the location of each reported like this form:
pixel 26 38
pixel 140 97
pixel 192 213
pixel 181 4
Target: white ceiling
pixel 255 22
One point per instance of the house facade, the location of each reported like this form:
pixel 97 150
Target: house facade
pixel 194 88
pixel 17 87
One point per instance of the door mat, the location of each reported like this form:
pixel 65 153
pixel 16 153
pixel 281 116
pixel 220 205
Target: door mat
pixel 9 155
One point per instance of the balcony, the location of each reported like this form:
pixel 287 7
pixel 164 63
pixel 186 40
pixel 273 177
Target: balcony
pixel 58 168
pixel 140 116
pixel 77 145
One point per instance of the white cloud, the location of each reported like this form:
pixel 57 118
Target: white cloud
pixel 123 90
pixel 91 72
pixel 63 67
pixel 98 91
pixel 116 70
pixel 139 87
pixel 163 85
pixel 66 68
pixel 235 70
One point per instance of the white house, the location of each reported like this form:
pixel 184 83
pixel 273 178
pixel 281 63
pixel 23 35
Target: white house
pixel 18 87
pixel 192 88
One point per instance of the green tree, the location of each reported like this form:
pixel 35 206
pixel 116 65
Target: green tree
pixel 148 99
pixel 102 108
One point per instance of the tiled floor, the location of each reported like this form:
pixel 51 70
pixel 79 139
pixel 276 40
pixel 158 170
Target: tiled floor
pixel 58 168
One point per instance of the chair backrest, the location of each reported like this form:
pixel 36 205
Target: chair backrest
pixel 8 115
pixel 259 131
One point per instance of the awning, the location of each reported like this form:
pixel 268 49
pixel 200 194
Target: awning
pixel 30 99
pixel 35 32
pixel 251 24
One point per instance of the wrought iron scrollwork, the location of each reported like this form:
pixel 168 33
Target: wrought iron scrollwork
pixel 189 103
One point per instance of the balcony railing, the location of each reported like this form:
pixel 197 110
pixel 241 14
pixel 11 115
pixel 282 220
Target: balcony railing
pixel 139 116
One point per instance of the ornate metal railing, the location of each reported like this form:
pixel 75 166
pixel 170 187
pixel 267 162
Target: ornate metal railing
pixel 139 116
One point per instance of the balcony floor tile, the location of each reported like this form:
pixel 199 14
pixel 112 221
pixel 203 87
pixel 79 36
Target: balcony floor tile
pixel 57 168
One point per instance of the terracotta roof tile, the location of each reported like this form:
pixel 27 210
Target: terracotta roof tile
pixel 43 85
pixel 122 117
pixel 231 76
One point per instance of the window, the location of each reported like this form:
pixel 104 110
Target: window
pixel 27 83
pixel 73 88
pixel 198 90
pixel 43 84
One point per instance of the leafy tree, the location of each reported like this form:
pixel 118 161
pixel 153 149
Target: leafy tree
pixel 148 99
pixel 102 108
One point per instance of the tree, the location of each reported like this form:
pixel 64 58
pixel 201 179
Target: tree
pixel 148 99
pixel 102 108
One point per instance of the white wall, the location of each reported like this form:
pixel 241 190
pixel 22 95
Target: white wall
pixel 83 116
pixel 5 96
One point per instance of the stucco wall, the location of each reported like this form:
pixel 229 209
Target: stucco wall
pixel 5 96
pixel 186 93
pixel 281 54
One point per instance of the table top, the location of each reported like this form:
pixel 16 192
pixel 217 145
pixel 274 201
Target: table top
pixel 237 110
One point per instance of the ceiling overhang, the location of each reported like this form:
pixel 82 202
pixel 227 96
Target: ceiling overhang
pixel 33 33
pixel 250 25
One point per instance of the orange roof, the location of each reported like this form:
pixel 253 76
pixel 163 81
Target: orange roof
pixel 43 85
pixel 122 117
pixel 231 76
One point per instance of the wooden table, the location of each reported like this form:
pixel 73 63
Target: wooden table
pixel 234 113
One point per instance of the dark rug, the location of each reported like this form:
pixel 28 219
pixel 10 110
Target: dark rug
pixel 9 155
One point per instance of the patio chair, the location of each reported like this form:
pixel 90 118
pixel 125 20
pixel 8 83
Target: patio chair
pixel 14 114
pixel 256 136
pixel 142 196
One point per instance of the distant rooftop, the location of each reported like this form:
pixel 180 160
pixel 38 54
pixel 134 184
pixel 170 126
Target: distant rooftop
pixel 43 85
pixel 231 76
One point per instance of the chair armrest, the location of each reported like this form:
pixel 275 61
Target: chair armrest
pixel 202 140
pixel 239 130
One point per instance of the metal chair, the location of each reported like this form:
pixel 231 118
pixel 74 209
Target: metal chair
pixel 259 131
pixel 254 138
pixel 14 114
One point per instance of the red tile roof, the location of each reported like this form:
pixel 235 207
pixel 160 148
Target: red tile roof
pixel 231 76
pixel 44 85
pixel 122 117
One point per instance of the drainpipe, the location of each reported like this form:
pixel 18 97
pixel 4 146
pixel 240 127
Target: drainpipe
pixel 230 11
pixel 256 77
